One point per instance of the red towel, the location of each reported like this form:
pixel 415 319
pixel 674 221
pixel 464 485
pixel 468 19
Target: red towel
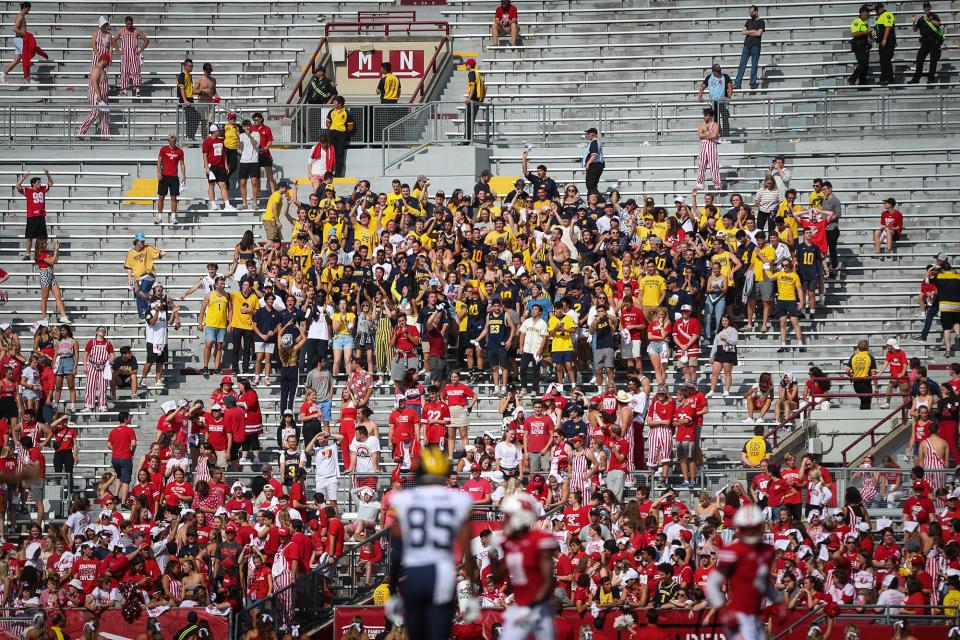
pixel 30 49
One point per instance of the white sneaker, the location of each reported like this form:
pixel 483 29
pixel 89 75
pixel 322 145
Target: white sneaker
pixel 173 219
pixel 212 206
pixel 65 320
pixel 759 420
pixel 228 207
pixel 158 220
pixel 748 420
pixel 3 78
pixel 726 394
pixel 710 394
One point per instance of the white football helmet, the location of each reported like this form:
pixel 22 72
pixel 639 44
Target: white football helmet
pixel 749 521
pixel 520 510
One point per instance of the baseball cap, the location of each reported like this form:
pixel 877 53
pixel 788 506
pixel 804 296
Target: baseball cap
pixel 892 342
pixel 226 380
pixel 283 183
pixel 630 202
pixel 217 407
pixel 139 236
pixel 474 468
pixel 592 130
pixel 943 256
pixel 686 307
pixel 213 128
pixel 283 532
pixel 238 485
pixel 486 173
pixel 918 485
pixel 76 584
pixel 470 62
pixel 231 116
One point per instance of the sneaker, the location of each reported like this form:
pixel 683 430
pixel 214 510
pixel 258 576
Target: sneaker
pixel 759 420
pixel 748 420
pixel 205 372
pixel 700 187
pixel 26 256
pixel 709 394
pixel 158 220
pixel 765 328
pixel 212 206
pixel 65 320
pixel 726 393
pixel 255 381
pixel 803 349
pixel 173 219
pixel 782 349
pixel 228 207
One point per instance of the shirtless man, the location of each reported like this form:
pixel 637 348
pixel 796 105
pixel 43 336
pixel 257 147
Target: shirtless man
pixel 558 248
pixel 934 454
pixel 19 32
pixel 205 91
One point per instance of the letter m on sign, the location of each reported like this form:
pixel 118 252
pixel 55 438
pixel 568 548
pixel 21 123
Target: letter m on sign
pixel 364 64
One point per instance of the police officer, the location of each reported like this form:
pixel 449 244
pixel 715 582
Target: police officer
pixel 886 36
pixel 931 41
pixel 860 43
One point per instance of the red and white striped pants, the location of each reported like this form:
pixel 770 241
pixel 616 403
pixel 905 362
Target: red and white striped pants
pixel 96 387
pixel 284 597
pixel 661 446
pixel 101 117
pixel 708 155
pixel 129 66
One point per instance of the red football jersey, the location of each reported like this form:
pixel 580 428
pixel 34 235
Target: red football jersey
pixel 36 200
pixel 522 557
pixel 750 565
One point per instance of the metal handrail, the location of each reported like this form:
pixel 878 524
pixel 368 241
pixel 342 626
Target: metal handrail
pixel 872 431
pixel 430 68
pixel 308 71
pixel 407 27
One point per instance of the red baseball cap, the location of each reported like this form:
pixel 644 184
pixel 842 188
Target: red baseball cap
pixel 470 62
pixel 918 559
pixel 686 534
pixel 283 532
pixel 917 484
pixel 474 468
pixel 313 524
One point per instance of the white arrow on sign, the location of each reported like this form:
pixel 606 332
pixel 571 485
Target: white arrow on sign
pixel 365 74
pixel 407 74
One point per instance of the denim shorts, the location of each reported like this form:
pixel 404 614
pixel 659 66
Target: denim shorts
pixel 342 341
pixel 325 407
pixel 658 347
pixel 66 366
pixel 214 334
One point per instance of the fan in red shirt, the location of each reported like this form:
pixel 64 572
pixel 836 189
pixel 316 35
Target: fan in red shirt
pixel 537 432
pixel 895 364
pixel 404 433
pixel 918 507
pixel 891 226
pixel 478 488
pixel 36 195
pixel 266 140
pixel 460 398
pixel 436 417
pixel 528 562
pixel 745 565
pixel 505 20
pixel 660 437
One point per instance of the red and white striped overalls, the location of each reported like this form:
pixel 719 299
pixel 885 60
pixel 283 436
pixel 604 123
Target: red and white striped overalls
pixel 96 386
pixel 129 60
pixel 282 578
pixel 101 48
pixel 708 155
pixel 579 466
pixel 98 114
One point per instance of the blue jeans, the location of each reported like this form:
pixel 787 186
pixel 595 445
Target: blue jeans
pixel 753 53
pixel 713 311
pixel 928 319
pixel 144 286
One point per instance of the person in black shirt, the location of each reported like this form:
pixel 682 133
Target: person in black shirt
pixel 482 187
pixel 931 41
pixel 593 160
pixel 320 91
pixel 539 179
pixel 753 31
pixel 517 191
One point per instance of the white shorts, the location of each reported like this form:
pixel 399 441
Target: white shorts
pixel 632 350
pixel 520 623
pixel 18 44
pixel 264 347
pixel 328 487
pixel 750 628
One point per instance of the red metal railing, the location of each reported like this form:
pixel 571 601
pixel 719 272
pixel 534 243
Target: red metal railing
pixel 388 27
pixel 432 67
pixel 872 431
pixel 810 404
pixel 308 72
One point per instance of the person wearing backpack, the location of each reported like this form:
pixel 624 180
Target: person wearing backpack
pixel 476 92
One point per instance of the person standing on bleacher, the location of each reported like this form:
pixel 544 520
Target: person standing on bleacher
pixel 886 36
pixel 860 43
pixel 593 160
pixel 752 30
pixel 931 41
pixel 127 43
pixel 97 91
pixel 719 87
pixel 476 92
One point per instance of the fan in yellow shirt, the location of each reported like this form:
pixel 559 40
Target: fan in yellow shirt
pixel 243 304
pixel 301 254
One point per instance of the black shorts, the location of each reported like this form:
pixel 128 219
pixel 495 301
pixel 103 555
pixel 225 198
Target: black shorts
pixel 266 160
pixel 251 442
pixel 156 358
pixel 496 357
pixel 725 357
pixel 219 174
pixel 469 337
pixel 949 318
pixel 787 309
pixel 36 228
pixel 809 284
pixel 169 185
pixel 249 170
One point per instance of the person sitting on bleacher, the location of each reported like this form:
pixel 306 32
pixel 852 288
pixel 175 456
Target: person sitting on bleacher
pixel 891 226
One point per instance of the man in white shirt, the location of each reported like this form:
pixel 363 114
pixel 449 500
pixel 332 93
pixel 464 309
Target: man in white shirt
pixel 364 452
pixel 533 339
pixel 326 463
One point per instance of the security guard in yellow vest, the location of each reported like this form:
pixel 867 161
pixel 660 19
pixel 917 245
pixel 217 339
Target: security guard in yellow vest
pixel 389 86
pixel 861 367
pixel 886 36
pixel 860 43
